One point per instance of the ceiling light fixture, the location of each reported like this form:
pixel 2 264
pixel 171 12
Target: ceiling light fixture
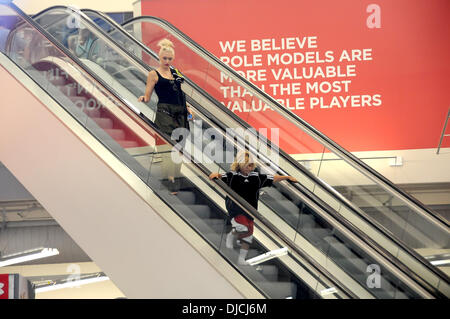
pixel 27 256
pixel 72 283
pixel 267 256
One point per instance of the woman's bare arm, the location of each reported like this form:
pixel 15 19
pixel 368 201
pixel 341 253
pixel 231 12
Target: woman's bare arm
pixel 152 78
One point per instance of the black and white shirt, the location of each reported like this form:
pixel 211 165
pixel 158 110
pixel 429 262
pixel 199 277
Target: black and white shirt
pixel 247 186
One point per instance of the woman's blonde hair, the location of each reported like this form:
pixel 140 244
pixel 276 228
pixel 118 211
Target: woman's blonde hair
pixel 243 158
pixel 166 45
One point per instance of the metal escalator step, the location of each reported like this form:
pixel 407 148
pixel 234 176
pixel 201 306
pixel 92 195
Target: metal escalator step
pixel 69 89
pixel 128 144
pixel 104 123
pixel 288 206
pixel 307 220
pixel 214 238
pixel 58 81
pixel 291 219
pixel 270 272
pixel 339 250
pixel 273 193
pixel 279 290
pixel 194 211
pixel 354 266
pixel 188 198
pixel 314 234
pixel 155 171
pixel 116 134
pixel 208 225
pixel 92 112
pixel 386 290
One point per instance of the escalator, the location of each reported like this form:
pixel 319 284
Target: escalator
pixel 94 119
pixel 345 253
pixel 358 193
pixel 288 206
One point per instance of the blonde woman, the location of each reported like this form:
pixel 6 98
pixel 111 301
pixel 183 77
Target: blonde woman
pixel 245 181
pixel 172 110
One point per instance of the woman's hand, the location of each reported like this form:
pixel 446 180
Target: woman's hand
pixel 143 98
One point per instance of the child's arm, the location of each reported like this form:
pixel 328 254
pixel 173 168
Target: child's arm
pixel 278 178
pixel 215 175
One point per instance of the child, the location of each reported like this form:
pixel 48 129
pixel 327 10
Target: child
pixel 245 181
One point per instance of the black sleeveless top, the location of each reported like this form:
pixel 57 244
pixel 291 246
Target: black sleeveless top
pixel 168 91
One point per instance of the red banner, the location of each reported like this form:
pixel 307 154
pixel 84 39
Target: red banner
pixel 372 75
pixel 4 286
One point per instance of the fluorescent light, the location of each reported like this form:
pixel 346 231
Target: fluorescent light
pixel 71 284
pixel 328 291
pixel 440 262
pixel 267 256
pixel 27 256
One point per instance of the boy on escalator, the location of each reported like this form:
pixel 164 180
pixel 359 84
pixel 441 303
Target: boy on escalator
pixel 245 180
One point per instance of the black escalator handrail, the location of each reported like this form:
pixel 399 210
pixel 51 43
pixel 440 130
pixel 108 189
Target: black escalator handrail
pixel 292 117
pixel 235 197
pixel 288 158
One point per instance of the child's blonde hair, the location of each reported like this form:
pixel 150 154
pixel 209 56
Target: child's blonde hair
pixel 166 45
pixel 243 158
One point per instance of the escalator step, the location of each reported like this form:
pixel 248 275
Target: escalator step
pixel 288 206
pixel 353 266
pixel 188 198
pixel 92 112
pixel 116 134
pixel 307 220
pixel 268 271
pixel 340 250
pixel 58 81
pixel 386 290
pixel 104 123
pixel 314 234
pixel 69 89
pixel 208 225
pixel 128 144
pixel 272 193
pixel 79 101
pixel 194 211
pixel 279 290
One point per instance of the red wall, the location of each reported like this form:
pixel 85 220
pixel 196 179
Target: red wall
pixel 408 70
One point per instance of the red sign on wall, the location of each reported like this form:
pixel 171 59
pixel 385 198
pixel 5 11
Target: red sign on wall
pixel 4 286
pixel 372 75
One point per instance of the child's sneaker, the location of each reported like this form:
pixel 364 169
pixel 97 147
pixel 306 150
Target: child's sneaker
pixel 229 240
pixel 242 255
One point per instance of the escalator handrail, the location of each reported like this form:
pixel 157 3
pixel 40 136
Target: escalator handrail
pixel 294 118
pixel 331 190
pixel 236 198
